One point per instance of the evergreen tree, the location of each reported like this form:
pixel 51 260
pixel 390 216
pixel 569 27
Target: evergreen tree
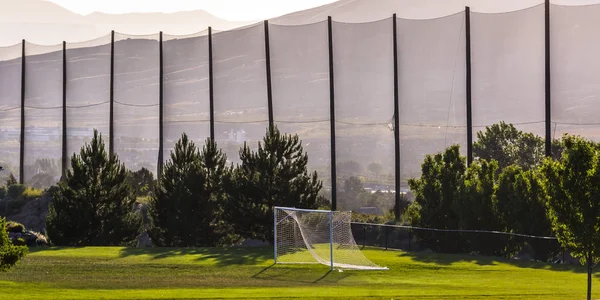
pixel 9 254
pixel 273 175
pixel 93 204
pixel 186 207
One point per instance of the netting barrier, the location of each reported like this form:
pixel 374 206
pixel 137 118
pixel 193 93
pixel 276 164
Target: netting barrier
pixel 240 89
pixel 43 114
pixel 574 63
pixel 507 53
pixel 300 80
pixel 317 236
pixel 87 92
pixel 10 110
pixel 364 109
pixel 431 83
pixel 136 101
pixel 410 238
pixel 186 89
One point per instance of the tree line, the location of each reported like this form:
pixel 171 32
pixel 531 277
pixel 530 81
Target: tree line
pixel 199 199
pixel 512 187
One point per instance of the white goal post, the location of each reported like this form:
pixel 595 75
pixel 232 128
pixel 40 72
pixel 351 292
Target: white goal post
pixel 309 236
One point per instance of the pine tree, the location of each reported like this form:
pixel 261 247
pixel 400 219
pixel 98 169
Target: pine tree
pixel 274 175
pixel 186 208
pixel 9 254
pixel 93 204
pixel 218 188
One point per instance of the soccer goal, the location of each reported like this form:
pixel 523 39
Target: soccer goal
pixel 305 236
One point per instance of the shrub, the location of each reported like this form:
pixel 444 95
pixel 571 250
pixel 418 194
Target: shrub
pixel 2 192
pixel 9 253
pixel 32 193
pixel 15 227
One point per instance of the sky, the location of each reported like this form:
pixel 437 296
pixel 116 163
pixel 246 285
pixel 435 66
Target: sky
pixel 231 10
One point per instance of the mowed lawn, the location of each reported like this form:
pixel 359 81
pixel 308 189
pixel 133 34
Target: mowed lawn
pixel 129 273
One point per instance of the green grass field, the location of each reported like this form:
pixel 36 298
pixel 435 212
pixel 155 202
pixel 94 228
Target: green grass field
pixel 125 273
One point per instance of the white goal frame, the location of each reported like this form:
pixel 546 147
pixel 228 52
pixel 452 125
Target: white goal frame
pixel 364 264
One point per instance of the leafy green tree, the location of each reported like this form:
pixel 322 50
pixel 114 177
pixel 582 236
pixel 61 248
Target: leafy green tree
pixel 477 211
pixel 93 204
pixel 510 146
pixel 573 199
pixel 9 254
pixel 186 208
pixel 273 175
pixel 521 209
pixel 142 181
pixel 437 191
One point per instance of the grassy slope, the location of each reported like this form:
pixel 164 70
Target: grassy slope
pixel 83 273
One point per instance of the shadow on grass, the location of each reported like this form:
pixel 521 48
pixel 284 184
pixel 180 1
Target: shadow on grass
pixel 221 256
pixel 298 274
pixel 449 259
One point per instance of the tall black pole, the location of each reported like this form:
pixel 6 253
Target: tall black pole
pixel 64 111
pixel 548 91
pixel 210 85
pixel 111 124
pixel 468 86
pixel 22 142
pixel 332 116
pixel 160 105
pixel 268 63
pixel 396 121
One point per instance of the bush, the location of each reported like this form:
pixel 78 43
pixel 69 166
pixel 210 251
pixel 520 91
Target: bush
pixel 9 253
pixel 32 193
pixel 2 192
pixel 15 227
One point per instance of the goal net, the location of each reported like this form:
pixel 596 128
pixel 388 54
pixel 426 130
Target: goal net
pixel 317 236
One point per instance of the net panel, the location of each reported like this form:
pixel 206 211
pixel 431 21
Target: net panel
pixel 364 108
pixel 314 236
pixel 507 52
pixel 240 89
pixel 88 92
pixel 186 105
pixel 574 61
pixel 43 115
pixel 136 97
pixel 10 110
pixel 300 85
pixel 431 83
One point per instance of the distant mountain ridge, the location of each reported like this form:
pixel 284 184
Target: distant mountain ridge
pixel 46 23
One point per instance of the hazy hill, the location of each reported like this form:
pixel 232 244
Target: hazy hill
pixel 46 23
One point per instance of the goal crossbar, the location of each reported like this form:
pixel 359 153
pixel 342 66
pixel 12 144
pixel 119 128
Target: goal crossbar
pixel 308 236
